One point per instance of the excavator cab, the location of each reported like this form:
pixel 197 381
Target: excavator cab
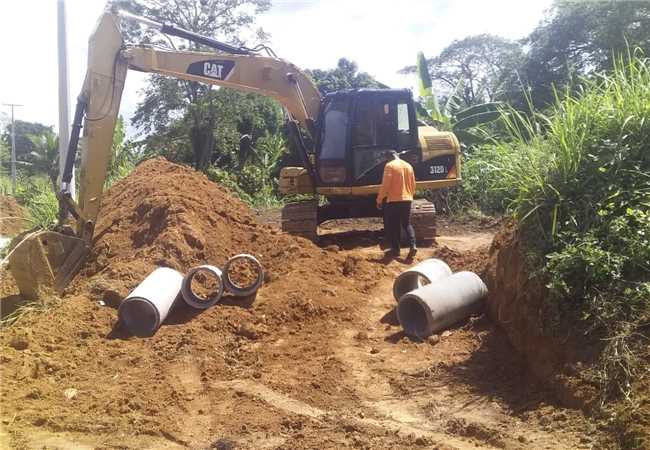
pixel 357 130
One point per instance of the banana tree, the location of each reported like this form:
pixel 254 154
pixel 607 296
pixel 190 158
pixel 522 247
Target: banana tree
pixel 44 159
pixel 452 116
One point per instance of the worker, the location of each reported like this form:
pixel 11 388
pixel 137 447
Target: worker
pixel 395 197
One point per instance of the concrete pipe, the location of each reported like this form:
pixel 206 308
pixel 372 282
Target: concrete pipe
pixel 423 273
pixel 147 306
pixel 253 270
pixel 191 294
pixel 438 305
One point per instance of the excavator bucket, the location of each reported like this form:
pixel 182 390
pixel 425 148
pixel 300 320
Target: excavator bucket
pixel 46 261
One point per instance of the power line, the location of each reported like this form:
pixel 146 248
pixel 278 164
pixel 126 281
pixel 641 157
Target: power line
pixel 13 146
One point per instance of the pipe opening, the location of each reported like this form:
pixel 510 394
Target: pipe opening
pixel 202 287
pixel 205 285
pixel 412 315
pixel 407 282
pixel 139 316
pixel 243 275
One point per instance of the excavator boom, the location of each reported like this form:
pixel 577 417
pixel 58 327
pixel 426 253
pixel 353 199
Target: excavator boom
pixel 50 259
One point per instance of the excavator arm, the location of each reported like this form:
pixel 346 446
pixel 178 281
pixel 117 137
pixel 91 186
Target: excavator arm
pixel 50 259
pixel 108 61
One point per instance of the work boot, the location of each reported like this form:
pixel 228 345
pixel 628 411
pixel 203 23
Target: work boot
pixel 412 252
pixel 393 253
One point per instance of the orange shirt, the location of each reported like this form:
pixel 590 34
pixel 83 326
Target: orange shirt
pixel 398 183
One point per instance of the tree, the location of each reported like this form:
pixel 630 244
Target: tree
pixel 345 75
pixel 166 99
pixel 476 69
pixel 453 115
pixel 24 130
pixel 239 113
pixel 578 38
pixel 44 158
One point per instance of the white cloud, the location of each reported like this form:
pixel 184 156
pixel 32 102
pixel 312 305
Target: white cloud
pixel 382 36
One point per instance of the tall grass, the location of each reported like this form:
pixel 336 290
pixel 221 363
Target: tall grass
pixel 559 169
pixel 34 193
pixel 578 179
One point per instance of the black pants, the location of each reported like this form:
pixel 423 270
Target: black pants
pixel 397 215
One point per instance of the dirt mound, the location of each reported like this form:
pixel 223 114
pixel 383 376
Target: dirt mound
pixel 457 261
pixel 12 216
pixel 560 355
pixel 165 214
pixel 79 372
pixel 517 303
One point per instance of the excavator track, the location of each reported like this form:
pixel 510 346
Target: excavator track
pixel 301 219
pixel 423 219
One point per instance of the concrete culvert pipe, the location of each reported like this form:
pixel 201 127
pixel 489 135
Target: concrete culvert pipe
pixel 243 275
pixel 438 305
pixel 202 286
pixel 423 273
pixel 147 306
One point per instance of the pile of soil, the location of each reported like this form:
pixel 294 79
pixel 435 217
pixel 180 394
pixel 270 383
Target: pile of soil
pixel 315 360
pixel 13 217
pixel 164 214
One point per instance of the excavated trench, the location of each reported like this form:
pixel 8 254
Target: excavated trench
pixel 315 360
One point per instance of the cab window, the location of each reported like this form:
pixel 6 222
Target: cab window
pixel 403 126
pixel 373 132
pixel 335 130
pixel 374 123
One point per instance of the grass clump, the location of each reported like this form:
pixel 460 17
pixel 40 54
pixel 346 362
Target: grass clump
pixel 578 179
pixel 35 193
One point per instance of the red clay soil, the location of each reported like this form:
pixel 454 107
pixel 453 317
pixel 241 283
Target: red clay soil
pixel 165 214
pixel 316 360
pixel 517 303
pixel 565 359
pixel 12 216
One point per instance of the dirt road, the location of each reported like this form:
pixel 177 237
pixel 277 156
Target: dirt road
pixel 348 381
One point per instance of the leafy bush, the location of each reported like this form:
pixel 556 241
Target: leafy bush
pixel 256 182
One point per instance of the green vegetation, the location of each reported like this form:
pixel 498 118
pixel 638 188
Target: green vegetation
pixel 577 177
pixel 37 170
pixel 124 155
pixel 188 113
pixel 36 194
pixel 257 181
pixel 453 116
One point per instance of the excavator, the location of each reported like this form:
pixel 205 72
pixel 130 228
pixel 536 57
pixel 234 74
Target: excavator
pixel 343 140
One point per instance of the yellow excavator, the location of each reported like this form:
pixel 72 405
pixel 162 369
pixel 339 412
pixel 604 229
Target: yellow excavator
pixel 350 133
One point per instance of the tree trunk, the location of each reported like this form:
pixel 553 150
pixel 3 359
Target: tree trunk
pixel 202 139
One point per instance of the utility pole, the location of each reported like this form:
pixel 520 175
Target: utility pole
pixel 13 146
pixel 64 87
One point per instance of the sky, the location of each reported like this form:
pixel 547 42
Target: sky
pixel 382 36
